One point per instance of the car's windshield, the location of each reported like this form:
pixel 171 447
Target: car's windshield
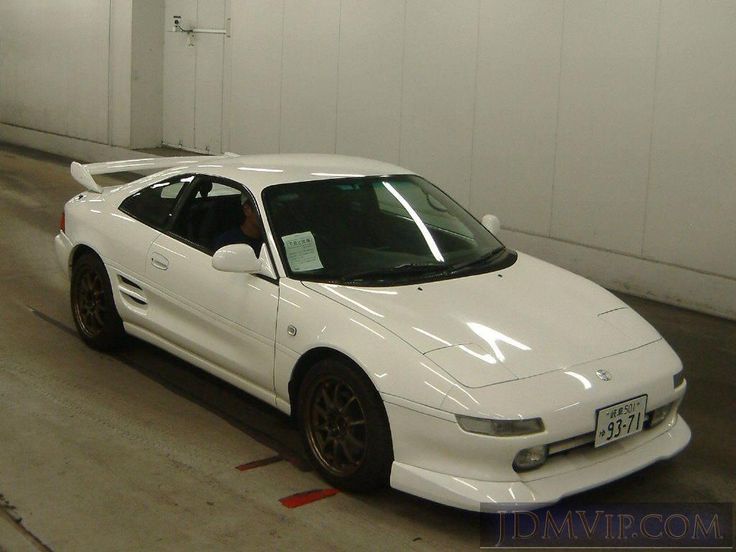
pixel 375 230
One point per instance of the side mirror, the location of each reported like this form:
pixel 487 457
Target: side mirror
pixel 238 257
pixel 492 224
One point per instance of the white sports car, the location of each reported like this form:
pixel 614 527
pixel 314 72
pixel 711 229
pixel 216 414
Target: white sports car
pixel 410 345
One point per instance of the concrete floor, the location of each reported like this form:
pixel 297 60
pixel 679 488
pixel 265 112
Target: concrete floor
pixel 138 450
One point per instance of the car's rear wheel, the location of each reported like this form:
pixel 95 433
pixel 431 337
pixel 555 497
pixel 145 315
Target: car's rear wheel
pixel 344 426
pixel 93 306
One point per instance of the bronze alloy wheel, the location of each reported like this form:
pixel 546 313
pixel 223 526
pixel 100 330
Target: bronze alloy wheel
pixel 93 306
pixel 344 425
pixel 89 307
pixel 336 426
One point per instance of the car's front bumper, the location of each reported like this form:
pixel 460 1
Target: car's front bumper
pixel 613 462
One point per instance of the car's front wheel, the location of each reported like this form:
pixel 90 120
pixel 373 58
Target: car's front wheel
pixel 93 306
pixel 344 426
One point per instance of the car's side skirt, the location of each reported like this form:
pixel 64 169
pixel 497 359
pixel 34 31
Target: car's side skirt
pixel 266 395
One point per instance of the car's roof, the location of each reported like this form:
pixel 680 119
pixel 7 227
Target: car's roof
pixel 259 171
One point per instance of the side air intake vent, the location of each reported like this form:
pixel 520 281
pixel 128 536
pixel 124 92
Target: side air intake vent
pixel 131 291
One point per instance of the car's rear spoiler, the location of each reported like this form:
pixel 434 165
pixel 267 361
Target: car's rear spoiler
pixel 83 173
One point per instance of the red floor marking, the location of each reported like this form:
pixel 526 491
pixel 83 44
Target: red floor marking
pixel 300 499
pixel 259 463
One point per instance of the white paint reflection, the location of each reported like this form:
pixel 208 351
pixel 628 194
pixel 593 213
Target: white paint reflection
pixel 454 384
pixel 367 328
pixel 377 291
pixel 337 175
pixel 418 221
pixel 127 219
pixel 567 406
pixel 493 337
pixel 292 288
pixel 433 387
pixel 169 250
pixel 425 332
pixel 331 289
pixel 118 165
pixel 485 357
pixel 259 169
pixel 465 483
pixel 581 378
pixel 286 301
pixel 457 402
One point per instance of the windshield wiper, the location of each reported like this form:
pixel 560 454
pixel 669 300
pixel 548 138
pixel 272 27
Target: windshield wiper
pixel 477 262
pixel 405 269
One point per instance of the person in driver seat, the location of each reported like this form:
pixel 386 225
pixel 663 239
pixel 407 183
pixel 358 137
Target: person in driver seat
pixel 248 232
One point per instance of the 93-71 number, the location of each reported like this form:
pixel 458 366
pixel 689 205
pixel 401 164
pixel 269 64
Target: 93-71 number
pixel 620 420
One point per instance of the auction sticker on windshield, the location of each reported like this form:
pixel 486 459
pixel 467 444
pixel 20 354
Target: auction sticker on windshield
pixel 620 420
pixel 301 252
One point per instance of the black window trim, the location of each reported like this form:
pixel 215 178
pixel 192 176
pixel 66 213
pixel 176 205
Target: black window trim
pixel 186 195
pixel 170 214
pixel 509 258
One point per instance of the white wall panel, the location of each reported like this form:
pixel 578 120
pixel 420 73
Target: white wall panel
pixel 145 71
pixel 54 70
pixel 643 277
pixel 309 78
pixel 439 91
pixel 691 211
pixel 605 118
pixel 179 76
pixel 369 88
pixel 255 73
pixel 209 76
pixel 516 111
pixel 120 75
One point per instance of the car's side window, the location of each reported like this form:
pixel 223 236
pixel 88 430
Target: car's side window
pixel 154 205
pixel 213 208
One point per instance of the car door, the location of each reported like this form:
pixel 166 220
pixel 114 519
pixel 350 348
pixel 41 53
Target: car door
pixel 134 225
pixel 228 319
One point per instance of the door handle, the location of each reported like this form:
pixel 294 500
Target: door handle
pixel 159 261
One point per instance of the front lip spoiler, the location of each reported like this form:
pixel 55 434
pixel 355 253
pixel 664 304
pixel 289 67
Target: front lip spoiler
pixel 518 495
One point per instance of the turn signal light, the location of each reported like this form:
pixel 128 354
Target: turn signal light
pixel 500 428
pixel 62 222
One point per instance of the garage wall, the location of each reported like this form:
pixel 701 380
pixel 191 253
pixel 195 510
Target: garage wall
pixel 193 76
pixel 71 69
pixel 41 85
pixel 602 133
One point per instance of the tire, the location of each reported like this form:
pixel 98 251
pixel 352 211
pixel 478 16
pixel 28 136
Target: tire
pixel 93 306
pixel 344 426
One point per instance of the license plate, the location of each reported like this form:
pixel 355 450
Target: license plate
pixel 620 420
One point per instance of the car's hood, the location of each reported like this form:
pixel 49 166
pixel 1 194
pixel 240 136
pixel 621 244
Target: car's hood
pixel 524 320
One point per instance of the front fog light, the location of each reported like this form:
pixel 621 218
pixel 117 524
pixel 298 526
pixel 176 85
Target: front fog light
pixel 530 458
pixel 500 428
